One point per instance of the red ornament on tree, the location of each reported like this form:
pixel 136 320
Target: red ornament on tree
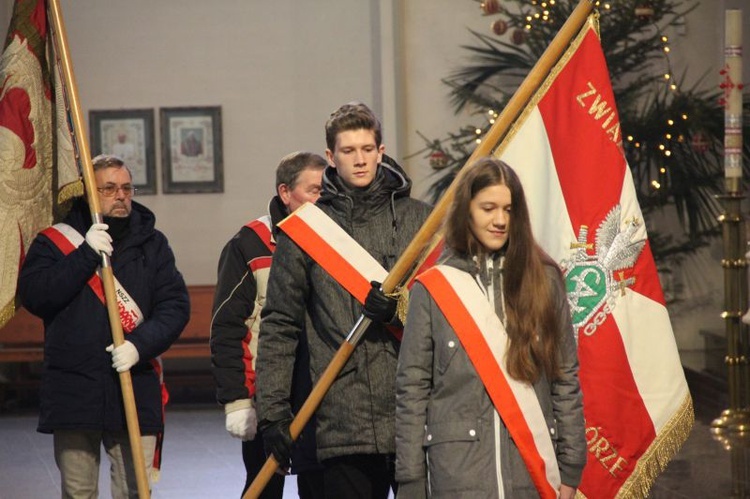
pixel 438 160
pixel 699 142
pixel 499 27
pixel 518 36
pixel 490 7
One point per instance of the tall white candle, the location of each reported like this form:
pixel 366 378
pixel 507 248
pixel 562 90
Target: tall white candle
pixel 732 86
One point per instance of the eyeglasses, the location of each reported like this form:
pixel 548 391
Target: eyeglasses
pixel 110 190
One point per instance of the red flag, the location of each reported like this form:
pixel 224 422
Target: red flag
pixel 37 165
pixel 567 149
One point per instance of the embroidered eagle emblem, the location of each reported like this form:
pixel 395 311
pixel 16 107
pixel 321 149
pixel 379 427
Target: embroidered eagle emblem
pixel 591 280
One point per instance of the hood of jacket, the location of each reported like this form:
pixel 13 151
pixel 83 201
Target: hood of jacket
pixel 487 271
pixel 483 266
pixel 390 183
pixel 278 211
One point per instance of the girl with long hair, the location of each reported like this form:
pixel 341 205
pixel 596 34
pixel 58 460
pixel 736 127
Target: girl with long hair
pixel 488 399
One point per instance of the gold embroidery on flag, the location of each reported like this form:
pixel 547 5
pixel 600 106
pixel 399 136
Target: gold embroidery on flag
pixel 600 108
pixel 590 279
pixel 604 451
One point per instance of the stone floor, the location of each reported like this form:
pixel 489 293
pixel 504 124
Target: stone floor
pixel 202 461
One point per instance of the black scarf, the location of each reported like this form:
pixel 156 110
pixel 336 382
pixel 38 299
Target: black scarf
pixel 119 227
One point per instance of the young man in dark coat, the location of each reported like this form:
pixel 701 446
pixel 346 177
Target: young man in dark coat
pixel 369 199
pixel 80 396
pixel 240 294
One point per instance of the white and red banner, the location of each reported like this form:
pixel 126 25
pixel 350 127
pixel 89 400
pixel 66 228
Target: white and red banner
pixel 37 165
pixel 567 149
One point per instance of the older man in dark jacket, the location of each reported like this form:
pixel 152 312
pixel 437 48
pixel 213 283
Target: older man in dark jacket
pixel 80 397
pixel 369 199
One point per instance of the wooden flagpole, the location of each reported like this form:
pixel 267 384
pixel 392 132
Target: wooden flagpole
pixel 84 157
pixel 416 251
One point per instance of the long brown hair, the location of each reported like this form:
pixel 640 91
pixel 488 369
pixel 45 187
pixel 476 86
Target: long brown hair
pixel 531 319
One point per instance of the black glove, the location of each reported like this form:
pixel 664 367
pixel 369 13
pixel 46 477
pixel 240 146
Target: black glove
pixel 278 441
pixel 378 306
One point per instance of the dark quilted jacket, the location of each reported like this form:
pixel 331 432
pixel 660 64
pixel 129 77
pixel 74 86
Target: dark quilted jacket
pixel 80 389
pixel 357 414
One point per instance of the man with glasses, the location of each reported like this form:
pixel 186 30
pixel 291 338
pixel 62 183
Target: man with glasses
pixel 244 266
pixel 80 397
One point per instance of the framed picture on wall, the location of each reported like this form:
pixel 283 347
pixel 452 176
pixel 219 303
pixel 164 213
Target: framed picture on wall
pixel 191 151
pixel 129 134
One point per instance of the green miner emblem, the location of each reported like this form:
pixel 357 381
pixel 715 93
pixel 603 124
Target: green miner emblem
pixel 587 289
pixel 591 280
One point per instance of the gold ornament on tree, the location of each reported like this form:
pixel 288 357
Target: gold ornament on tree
pixel 644 11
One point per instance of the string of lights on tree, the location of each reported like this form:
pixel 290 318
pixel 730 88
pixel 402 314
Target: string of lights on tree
pixel 673 135
pixel 542 12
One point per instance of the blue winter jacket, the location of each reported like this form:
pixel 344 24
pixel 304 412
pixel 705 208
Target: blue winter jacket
pixel 80 389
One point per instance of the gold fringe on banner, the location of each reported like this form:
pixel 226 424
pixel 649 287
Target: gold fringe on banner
pixel 656 458
pixel 402 295
pixel 70 191
pixel 6 313
pixel 660 452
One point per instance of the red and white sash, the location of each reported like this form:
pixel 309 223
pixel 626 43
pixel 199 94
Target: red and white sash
pixel 262 228
pixel 66 238
pixel 260 267
pixel 334 250
pixel 337 252
pixel 484 338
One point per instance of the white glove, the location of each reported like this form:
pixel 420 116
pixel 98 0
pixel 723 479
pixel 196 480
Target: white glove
pixel 124 357
pixel 99 239
pixel 242 423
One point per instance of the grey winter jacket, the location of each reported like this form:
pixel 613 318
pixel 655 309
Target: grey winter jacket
pixel 357 414
pixel 447 429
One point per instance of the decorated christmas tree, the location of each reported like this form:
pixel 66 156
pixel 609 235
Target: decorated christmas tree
pixel 672 136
